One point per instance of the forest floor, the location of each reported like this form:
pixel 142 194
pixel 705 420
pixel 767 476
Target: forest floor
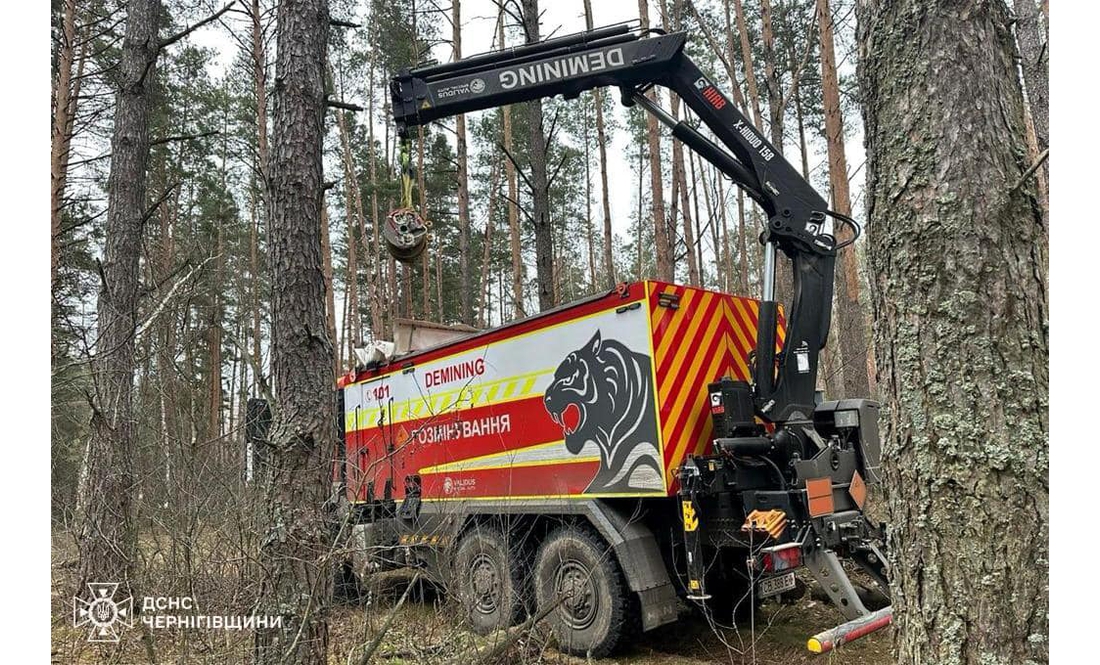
pixel 425 631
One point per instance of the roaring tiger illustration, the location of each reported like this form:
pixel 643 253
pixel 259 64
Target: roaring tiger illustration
pixel 602 395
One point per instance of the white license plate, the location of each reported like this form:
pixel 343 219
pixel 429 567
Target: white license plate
pixel 771 586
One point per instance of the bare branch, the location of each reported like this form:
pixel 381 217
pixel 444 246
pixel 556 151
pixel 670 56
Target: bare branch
pixel 168 41
pixel 347 106
pixel 1030 171
pixel 183 137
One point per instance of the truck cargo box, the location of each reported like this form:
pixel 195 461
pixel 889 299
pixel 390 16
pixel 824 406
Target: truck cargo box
pixel 600 398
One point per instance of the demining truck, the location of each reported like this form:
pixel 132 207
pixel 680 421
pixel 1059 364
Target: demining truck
pixel 608 463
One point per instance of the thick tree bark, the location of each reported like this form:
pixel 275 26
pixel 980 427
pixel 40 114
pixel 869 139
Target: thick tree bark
pixel 850 333
pixel 540 186
pixel 666 268
pixel 296 548
pixel 961 331
pixel 465 283
pixel 106 536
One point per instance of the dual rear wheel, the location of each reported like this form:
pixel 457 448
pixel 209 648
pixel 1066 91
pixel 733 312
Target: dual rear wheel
pixel 575 579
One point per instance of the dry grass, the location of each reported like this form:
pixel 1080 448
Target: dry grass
pixel 426 632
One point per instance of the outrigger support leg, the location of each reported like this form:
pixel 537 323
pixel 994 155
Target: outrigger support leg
pixel 826 569
pixel 871 559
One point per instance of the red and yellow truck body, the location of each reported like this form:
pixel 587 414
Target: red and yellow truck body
pixel 602 398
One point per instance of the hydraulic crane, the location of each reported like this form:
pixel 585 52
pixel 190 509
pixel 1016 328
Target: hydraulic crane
pixel 616 56
pixel 777 449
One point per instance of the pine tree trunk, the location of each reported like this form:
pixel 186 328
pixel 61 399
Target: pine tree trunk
pixel 961 331
pixel 425 258
pixel 330 293
pixel 465 283
pixel 679 174
pixel 784 275
pixel 513 193
pixel 354 212
pixel 1034 60
pixel 666 268
pixel 674 21
pixel 295 551
pixel 605 200
pixel 263 161
pixel 771 77
pixel 747 64
pixel 376 284
pixel 540 194
pixel 850 333
pixel 64 110
pixel 484 282
pixel 589 232
pixel 743 249
pixel 106 536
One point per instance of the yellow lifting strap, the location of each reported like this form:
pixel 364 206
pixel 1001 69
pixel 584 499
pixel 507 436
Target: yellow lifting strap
pixel 406 176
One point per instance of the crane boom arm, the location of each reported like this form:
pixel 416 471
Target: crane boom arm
pixel 616 56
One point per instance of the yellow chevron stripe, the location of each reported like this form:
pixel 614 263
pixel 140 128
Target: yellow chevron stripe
pixel 685 383
pixel 685 445
pixel 745 343
pixel 700 412
pixel 682 354
pixel 657 313
pixel 678 318
pixel 688 399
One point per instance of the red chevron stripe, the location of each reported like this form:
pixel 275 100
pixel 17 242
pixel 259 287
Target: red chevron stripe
pixel 689 396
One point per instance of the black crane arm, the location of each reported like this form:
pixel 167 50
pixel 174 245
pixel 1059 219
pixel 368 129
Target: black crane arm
pixel 616 56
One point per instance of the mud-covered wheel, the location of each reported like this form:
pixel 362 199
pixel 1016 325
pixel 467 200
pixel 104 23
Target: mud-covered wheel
pixel 488 580
pixel 596 610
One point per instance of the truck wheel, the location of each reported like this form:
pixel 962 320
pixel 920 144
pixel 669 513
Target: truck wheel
pixel 597 609
pixel 487 580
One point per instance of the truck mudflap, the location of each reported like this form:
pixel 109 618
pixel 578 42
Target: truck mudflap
pixel 827 640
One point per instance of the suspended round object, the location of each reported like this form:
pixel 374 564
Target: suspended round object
pixel 406 234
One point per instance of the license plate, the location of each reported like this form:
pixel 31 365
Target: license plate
pixel 771 586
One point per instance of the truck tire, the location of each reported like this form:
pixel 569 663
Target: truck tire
pixel 487 580
pixel 598 609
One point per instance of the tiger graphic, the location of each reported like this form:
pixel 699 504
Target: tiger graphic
pixel 602 396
